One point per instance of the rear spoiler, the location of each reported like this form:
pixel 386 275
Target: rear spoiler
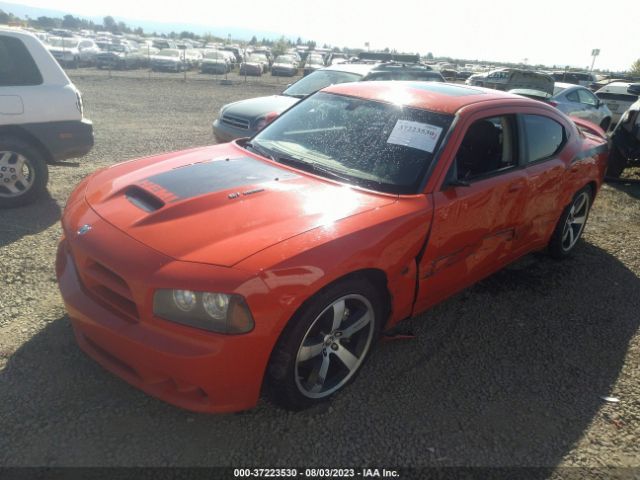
pixel 589 127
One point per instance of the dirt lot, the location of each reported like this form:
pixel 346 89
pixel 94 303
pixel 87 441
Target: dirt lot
pixel 508 373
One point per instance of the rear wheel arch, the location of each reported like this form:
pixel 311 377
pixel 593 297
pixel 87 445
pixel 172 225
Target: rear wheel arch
pixel 22 134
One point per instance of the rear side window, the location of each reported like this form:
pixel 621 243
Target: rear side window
pixel 17 67
pixel 545 137
pixel 573 97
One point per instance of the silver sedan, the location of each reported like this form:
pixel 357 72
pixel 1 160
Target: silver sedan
pixel 578 101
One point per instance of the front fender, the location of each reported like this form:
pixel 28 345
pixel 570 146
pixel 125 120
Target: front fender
pixel 387 239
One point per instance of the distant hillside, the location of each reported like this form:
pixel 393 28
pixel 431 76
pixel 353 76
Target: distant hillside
pixel 238 33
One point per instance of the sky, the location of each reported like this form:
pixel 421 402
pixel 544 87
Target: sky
pixel 547 32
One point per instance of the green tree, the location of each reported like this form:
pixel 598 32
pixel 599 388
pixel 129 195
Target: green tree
pixel 429 56
pixel 48 22
pixel 253 40
pixel 4 17
pixel 109 23
pixel 69 21
pixel 635 68
pixel 280 46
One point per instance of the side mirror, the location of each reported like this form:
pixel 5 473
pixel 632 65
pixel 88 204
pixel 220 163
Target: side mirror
pixel 458 183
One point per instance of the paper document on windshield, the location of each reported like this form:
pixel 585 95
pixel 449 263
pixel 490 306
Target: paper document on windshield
pixel 415 135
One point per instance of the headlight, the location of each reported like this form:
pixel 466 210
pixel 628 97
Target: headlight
pixel 265 120
pixel 217 312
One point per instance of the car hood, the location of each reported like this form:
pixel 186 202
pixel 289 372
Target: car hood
pixel 256 107
pixel 219 205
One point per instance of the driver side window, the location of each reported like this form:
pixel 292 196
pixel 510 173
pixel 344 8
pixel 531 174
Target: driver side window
pixel 488 148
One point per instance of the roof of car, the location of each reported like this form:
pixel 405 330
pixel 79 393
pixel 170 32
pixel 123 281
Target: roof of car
pixel 434 96
pixel 359 68
pixel 564 85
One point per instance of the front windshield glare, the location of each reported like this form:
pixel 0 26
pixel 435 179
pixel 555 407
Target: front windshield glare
pixel 318 80
pixel 376 145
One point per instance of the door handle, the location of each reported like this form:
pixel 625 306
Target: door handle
pixel 515 187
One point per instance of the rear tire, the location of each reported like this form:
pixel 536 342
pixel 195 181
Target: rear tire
pixel 23 172
pixel 571 224
pixel 605 124
pixel 616 164
pixel 325 344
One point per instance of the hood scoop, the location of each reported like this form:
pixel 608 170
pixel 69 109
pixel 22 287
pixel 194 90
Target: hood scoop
pixel 143 199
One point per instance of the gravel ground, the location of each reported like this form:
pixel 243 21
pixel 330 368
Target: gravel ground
pixel 508 373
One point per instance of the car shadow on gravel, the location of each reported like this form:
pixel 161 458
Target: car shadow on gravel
pixel 509 372
pixel 16 223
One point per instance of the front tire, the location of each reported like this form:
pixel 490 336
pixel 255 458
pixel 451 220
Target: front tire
pixel 571 224
pixel 325 344
pixel 23 172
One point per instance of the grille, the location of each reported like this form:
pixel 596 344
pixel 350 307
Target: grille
pixel 235 121
pixel 109 289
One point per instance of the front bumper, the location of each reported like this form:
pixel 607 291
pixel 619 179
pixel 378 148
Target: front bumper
pixel 190 368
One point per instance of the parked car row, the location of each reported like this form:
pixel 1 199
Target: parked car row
pixel 247 117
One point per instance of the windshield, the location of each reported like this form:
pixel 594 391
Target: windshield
pixel 557 89
pixel 313 60
pixel 375 145
pixel 284 59
pixel 214 56
pixel 169 53
pixel 114 48
pixel 318 80
pixel 256 58
pixel 63 42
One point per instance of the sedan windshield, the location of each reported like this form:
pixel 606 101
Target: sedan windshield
pixel 318 80
pixel 169 53
pixel 284 59
pixel 64 42
pixel 375 145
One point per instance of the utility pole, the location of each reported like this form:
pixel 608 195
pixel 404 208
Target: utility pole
pixel 594 53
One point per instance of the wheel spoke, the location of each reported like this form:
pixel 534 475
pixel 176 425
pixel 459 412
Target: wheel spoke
pixel 358 325
pixel 4 159
pixel 567 227
pixel 12 187
pixel 579 220
pixel 322 374
pixel 579 203
pixel 338 314
pixel 346 357
pixel 308 352
pixel 571 236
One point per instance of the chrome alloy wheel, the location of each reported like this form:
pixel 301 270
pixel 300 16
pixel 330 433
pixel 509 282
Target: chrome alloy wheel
pixel 334 346
pixel 16 174
pixel 575 222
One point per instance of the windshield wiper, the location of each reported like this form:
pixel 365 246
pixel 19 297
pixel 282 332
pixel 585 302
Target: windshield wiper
pixel 313 167
pixel 260 150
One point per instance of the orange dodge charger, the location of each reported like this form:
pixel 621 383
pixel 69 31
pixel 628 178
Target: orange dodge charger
pixel 203 276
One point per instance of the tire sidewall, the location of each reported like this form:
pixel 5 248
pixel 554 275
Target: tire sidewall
pixel 280 380
pixel 38 164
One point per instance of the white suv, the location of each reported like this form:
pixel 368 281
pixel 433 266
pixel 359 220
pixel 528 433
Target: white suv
pixel 41 118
